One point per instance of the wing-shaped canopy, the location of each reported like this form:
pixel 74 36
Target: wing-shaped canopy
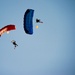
pixel 7 28
pixel 28 21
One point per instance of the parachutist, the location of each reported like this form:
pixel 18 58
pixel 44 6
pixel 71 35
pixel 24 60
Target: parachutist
pixel 38 21
pixel 14 43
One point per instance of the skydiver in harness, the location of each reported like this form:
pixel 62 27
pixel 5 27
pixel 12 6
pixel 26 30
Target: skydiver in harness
pixel 14 43
pixel 38 21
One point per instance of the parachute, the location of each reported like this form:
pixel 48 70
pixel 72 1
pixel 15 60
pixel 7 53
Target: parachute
pixel 28 21
pixel 7 29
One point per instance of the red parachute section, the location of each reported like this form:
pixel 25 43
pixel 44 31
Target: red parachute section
pixel 7 28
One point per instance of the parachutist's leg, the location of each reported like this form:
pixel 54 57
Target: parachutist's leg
pixel 14 46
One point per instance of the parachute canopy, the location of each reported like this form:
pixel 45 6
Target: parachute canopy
pixel 7 28
pixel 28 21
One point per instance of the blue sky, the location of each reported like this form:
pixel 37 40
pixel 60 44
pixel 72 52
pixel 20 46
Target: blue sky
pixel 50 50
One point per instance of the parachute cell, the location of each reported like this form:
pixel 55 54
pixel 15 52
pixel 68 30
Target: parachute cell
pixel 28 21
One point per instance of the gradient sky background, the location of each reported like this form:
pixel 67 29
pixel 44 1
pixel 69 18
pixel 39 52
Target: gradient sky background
pixel 50 50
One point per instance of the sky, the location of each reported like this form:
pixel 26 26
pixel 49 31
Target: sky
pixel 51 48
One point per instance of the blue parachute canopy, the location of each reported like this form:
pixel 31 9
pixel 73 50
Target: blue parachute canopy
pixel 28 21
